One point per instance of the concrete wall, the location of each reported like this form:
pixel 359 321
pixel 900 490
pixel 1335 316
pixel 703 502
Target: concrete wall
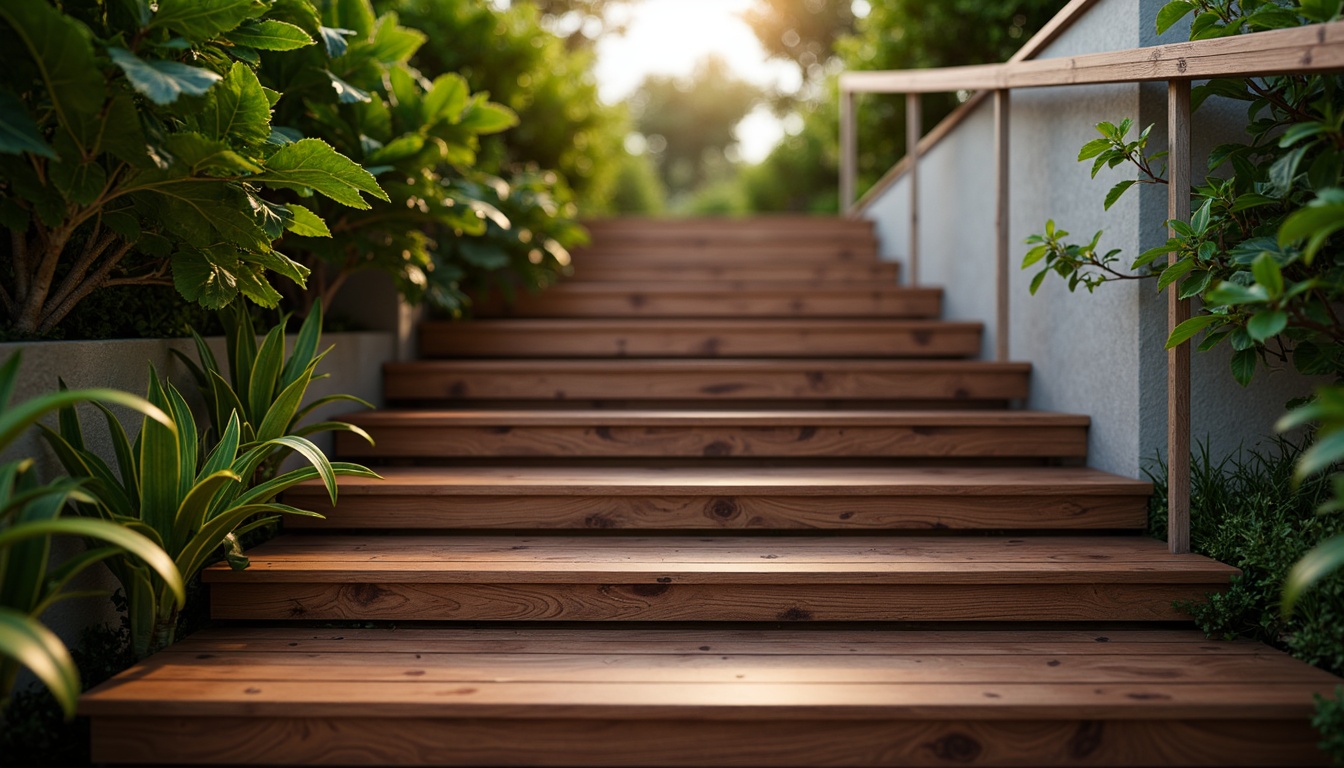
pixel 1100 354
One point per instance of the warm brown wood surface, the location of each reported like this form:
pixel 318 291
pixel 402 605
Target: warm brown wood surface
pixel 700 338
pixel 613 299
pixel 851 273
pixel 710 380
pixel 575 497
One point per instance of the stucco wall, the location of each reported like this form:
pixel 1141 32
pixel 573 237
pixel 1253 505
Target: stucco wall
pixel 1099 354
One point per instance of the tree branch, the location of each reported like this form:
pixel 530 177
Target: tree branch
pixel 97 280
pixel 94 247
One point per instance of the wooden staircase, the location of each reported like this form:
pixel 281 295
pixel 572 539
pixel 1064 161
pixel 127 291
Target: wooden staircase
pixel 731 497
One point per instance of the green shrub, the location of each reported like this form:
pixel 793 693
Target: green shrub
pixel 1248 511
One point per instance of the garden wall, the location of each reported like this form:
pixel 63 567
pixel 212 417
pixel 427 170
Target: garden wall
pixel 1100 354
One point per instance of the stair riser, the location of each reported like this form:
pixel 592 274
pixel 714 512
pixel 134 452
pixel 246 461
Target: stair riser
pixel 717 442
pixel 1038 601
pixel 415 382
pixel 836 274
pixel 934 742
pixel 672 254
pixel 858 304
pixel 855 513
pixel 477 341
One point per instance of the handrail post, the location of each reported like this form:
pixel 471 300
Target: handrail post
pixel 1001 106
pixel 1178 311
pixel 848 150
pixel 914 124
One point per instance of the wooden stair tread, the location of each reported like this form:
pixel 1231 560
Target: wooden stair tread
pixel 519 674
pixel 718 481
pixel 679 560
pixel 752 418
pixel 755 299
pixel 864 274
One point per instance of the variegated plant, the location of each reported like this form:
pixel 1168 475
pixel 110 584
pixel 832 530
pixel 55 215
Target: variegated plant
pixel 186 498
pixel 30 516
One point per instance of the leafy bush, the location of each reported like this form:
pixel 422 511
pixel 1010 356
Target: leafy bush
pixel 1251 512
pixel 1258 249
pixel 30 516
pixel 138 149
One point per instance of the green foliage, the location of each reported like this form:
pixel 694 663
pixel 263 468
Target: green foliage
pixel 190 492
pixel 1248 511
pixel 802 31
pixel 690 121
pixel 1251 511
pixel 1259 249
pixel 136 149
pixel 508 53
pixel 637 188
pixel 421 137
pixel 30 516
pixel 896 34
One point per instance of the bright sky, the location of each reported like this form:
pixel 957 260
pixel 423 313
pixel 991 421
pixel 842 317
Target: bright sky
pixel 669 36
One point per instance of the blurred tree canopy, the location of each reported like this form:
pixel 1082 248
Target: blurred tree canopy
pixel 509 53
pixel 800 174
pixel 802 31
pixel 581 22
pixel 689 122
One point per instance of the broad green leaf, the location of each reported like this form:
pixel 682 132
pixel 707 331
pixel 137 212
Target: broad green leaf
pixel 399 149
pixel 1325 452
pixel 1117 191
pixel 306 223
pixel 62 50
pixel 1323 560
pixel 447 98
pixel 202 212
pixel 1183 332
pixel 356 14
pixel 18 132
pixel 1093 148
pixel 484 117
pixel 280 413
pixel 270 35
pixel 25 640
pixel 252 283
pixel 201 280
pixel 1171 13
pixel 1267 324
pixel 1232 294
pixel 393 43
pixel 1284 171
pixel 1268 275
pixel 313 164
pixel 79 182
pixel 347 93
pixel 1175 272
pixel 237 109
pixel 161 81
pixel 202 20
pixel 1243 365
pixel 200 155
pixel 1315 224
pixel 280 264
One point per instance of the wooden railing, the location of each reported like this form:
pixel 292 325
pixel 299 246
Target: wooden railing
pixel 1314 48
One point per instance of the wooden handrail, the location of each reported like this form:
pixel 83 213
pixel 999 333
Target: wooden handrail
pixel 1313 48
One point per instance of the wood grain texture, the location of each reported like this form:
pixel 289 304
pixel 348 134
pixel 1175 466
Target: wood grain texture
pixel 326 601
pixel 1178 311
pixel 836 273
pixel 174 739
pixel 710 380
pixel 619 300
pixel 674 253
pixel 700 338
pixel 517 438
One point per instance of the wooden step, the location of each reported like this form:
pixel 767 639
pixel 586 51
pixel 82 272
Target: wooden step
pixel 700 338
pixel 718 498
pixel 709 697
pixel 675 253
pixel 717 434
pixel 864 274
pixel 729 230
pixel 793 381
pixel 623 300
pixel 605 578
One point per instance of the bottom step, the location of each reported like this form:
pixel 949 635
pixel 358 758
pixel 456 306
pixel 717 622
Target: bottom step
pixel 614 697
